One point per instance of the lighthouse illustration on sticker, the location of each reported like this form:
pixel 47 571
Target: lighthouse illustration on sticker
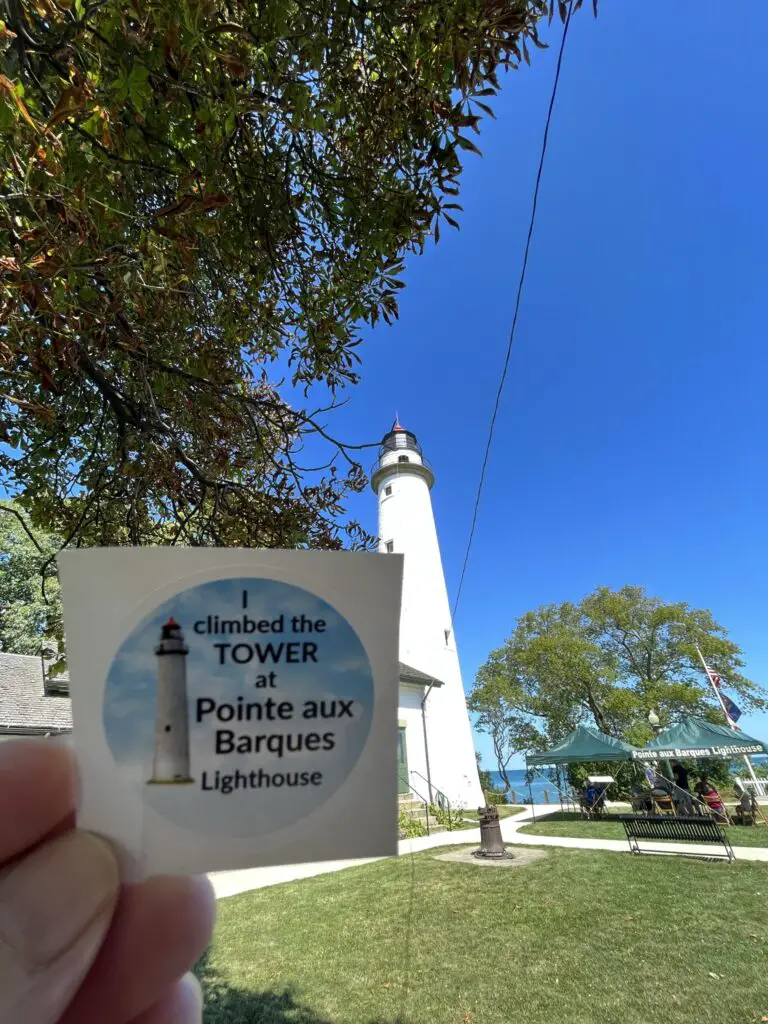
pixel 170 765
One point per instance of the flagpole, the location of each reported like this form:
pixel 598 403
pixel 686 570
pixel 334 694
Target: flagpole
pixel 731 725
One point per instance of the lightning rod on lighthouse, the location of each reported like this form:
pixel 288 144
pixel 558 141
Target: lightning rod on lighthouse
pixel 171 758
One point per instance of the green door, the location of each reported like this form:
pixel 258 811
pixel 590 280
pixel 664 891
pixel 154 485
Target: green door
pixel 402 762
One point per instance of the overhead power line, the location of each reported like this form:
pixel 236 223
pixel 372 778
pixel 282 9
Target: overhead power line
pixel 520 286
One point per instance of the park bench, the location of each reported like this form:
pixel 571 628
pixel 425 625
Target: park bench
pixel 680 830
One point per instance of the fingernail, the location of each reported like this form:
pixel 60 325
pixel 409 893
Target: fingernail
pixel 49 897
pixel 194 999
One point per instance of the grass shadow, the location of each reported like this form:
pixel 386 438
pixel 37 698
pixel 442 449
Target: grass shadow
pixel 227 1004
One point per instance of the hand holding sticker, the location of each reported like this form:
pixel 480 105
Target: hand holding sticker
pixel 75 947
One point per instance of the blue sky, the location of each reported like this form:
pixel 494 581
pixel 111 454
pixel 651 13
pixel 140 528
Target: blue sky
pixel 631 441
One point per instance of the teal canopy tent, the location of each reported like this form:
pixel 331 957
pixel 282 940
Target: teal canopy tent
pixel 584 744
pixel 695 737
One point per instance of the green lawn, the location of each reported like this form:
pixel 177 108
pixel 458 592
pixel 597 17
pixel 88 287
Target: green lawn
pixel 580 937
pixel 572 824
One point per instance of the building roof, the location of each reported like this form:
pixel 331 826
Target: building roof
pixel 416 677
pixel 25 707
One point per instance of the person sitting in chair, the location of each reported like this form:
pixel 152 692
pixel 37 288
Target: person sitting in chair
pixel 661 794
pixel 641 800
pixel 746 809
pixel 593 794
pixel 707 792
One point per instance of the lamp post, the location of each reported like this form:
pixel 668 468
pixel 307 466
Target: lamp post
pixel 655 723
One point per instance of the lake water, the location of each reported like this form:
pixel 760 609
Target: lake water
pixel 520 786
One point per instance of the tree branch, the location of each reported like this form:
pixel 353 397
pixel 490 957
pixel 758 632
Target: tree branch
pixel 25 528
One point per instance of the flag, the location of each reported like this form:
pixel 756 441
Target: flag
pixel 714 678
pixel 731 709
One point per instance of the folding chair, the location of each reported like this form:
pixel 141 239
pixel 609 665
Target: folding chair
pixel 664 804
pixel 749 810
pixel 716 808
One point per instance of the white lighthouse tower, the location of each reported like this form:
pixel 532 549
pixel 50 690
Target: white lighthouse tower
pixel 171 760
pixel 435 750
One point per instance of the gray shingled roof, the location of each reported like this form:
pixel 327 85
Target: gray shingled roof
pixel 24 705
pixel 415 676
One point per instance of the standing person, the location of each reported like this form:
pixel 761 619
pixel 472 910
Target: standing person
pixel 682 792
pixel 680 776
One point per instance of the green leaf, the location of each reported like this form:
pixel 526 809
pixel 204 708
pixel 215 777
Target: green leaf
pixel 119 88
pixel 486 109
pixel 139 89
pixel 58 668
pixel 92 125
pixel 8 115
pixel 467 144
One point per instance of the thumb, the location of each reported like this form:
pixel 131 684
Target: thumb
pixel 56 904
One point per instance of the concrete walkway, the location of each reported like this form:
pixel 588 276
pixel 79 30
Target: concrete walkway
pixel 229 883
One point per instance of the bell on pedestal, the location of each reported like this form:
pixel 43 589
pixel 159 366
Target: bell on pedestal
pixel 491 843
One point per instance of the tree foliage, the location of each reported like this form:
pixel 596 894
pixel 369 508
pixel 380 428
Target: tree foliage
pixel 202 201
pixel 607 661
pixel 486 781
pixel 30 615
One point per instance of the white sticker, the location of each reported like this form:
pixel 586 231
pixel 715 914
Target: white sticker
pixel 234 708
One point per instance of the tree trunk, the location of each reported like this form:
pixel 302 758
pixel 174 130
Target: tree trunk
pixel 600 719
pixel 501 763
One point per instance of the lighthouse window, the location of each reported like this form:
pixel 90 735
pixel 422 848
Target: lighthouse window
pixel 403 458
pixel 447 634
pixel 167 728
pixel 390 546
pixel 387 491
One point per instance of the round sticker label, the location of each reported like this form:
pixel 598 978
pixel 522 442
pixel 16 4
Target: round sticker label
pixel 239 706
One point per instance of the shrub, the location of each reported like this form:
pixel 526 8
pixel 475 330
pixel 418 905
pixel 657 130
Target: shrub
pixel 411 827
pixel 451 818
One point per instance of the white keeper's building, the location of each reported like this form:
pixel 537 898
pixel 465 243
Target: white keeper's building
pixel 435 748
